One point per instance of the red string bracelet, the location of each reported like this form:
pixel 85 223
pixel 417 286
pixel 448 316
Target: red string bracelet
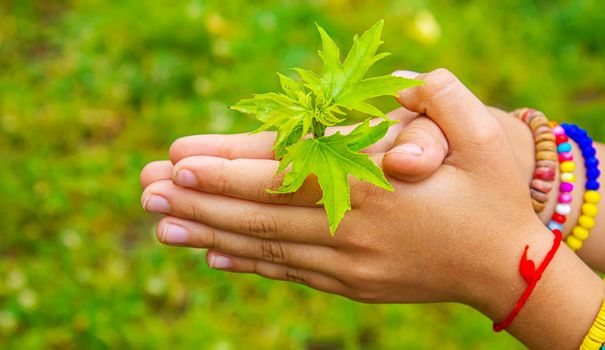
pixel 531 275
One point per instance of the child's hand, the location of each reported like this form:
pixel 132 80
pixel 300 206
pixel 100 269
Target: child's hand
pixel 452 231
pixel 408 163
pixel 434 240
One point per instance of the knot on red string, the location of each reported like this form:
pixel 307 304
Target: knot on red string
pixel 531 275
pixel 527 268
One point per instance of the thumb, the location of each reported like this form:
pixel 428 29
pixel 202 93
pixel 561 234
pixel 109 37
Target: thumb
pixel 464 119
pixel 418 151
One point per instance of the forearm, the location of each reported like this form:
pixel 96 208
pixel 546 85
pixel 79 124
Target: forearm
pixel 563 305
pixel 593 251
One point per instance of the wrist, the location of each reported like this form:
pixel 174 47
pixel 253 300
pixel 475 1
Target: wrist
pixel 523 144
pixel 500 284
pixel 563 304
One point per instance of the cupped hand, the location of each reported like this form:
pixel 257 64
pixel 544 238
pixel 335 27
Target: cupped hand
pixel 421 148
pixel 431 240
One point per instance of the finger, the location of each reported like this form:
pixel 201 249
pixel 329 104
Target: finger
pixel 155 171
pixel 275 271
pixel 260 146
pixel 268 221
pixel 250 178
pixel 418 151
pixel 242 178
pixel 400 114
pixel 180 232
pixel 252 146
pixel 463 118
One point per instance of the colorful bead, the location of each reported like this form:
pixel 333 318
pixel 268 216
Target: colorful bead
pixel 568 177
pixel 591 162
pixel 557 130
pixel 541 185
pixel 590 209
pixel 545 153
pixel 539 196
pixel 541 129
pixel 564 147
pixel 593 185
pixel 566 187
pixel 580 233
pixel 545 173
pixel 573 243
pixel 593 197
pixel 559 218
pixel 563 209
pixel 538 121
pixel 544 146
pixel 595 338
pixel 547 163
pixel 565 198
pixel 589 152
pixel 586 222
pixel 545 137
pixel 552 225
pixel 561 138
pixel 568 167
pixel 538 206
pixel 593 173
pixel 565 156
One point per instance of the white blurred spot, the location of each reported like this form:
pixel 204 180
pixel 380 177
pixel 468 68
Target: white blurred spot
pixel 8 321
pixel 203 86
pixel 427 29
pixel 221 118
pixel 28 299
pixel 71 239
pixel 117 268
pixel 155 285
pixel 194 9
pixel 221 48
pixel 223 345
pixel 9 123
pixel 15 280
pixel 267 21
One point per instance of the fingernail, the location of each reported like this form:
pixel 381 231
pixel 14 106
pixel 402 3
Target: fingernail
pixel 186 178
pixel 408 148
pixel 175 234
pixel 219 262
pixel 405 74
pixel 156 204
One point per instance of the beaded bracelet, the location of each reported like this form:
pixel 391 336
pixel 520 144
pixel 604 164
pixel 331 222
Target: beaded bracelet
pixel 595 339
pixel 586 222
pixel 546 156
pixel 567 177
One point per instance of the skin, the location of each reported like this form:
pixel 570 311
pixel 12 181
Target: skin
pixel 426 242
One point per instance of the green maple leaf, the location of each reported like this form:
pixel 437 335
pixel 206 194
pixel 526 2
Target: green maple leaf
pixel 332 159
pixel 322 100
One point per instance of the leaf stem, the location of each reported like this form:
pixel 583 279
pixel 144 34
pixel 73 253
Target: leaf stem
pixel 318 128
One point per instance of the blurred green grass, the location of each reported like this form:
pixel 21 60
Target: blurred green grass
pixel 92 90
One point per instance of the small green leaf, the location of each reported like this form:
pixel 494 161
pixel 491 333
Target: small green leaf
pixel 312 81
pixel 290 117
pixel 290 86
pixel 365 135
pixel 331 161
pixel 363 54
pixel 379 86
pixel 322 100
pixel 331 74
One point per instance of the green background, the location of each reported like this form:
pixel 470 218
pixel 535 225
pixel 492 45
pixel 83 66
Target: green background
pixel 90 91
